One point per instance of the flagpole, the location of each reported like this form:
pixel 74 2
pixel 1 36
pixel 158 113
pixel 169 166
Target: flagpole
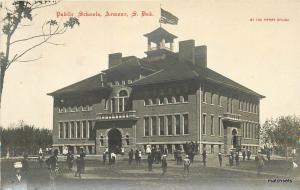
pixel 160 15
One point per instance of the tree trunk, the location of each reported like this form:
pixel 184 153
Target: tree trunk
pixel 2 74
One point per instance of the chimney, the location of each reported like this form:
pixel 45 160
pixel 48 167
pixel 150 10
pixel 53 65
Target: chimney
pixel 114 59
pixel 187 51
pixel 201 56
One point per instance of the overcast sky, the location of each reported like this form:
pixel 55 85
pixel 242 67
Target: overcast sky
pixel 262 55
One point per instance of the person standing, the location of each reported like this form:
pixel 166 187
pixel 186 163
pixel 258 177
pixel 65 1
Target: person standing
pixel 268 154
pixel 139 157
pixel 220 158
pixel 52 163
pixel 82 155
pixel 237 159
pixel 40 159
pixel 164 164
pixel 186 164
pixel 130 156
pixel 150 161
pixel 204 157
pixel 136 156
pixel 70 159
pixel 248 154
pixel 104 157
pixel 113 158
pixel 80 165
pixel 244 154
pixel 259 163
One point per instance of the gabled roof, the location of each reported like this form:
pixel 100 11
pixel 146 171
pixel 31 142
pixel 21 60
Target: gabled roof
pixel 158 34
pixel 168 73
pixel 170 70
pixel 129 69
pixel 87 85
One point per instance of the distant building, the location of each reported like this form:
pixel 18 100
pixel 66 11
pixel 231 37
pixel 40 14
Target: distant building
pixel 165 99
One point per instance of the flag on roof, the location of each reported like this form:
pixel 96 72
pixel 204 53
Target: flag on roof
pixel 167 17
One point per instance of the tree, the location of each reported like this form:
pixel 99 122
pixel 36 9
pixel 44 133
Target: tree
pixel 24 138
pixel 20 14
pixel 283 132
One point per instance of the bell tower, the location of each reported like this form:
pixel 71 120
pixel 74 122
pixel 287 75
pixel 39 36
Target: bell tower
pixel 160 41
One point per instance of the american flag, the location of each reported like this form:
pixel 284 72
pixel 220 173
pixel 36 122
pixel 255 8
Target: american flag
pixel 168 18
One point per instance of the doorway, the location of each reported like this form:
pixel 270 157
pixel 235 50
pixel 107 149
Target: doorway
pixel 114 140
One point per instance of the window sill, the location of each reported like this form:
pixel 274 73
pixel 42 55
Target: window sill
pixel 177 103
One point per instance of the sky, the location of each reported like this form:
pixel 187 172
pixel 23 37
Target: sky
pixel 244 44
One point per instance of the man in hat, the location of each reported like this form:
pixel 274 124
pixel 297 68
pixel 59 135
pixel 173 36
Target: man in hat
pixel 164 164
pixel 186 164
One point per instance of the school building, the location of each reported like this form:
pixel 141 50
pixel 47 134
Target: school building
pixel 165 99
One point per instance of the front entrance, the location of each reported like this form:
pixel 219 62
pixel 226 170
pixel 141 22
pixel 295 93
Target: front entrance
pixel 114 140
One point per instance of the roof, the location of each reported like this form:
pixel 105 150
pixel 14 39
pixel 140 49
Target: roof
pixel 129 69
pixel 87 85
pixel 170 70
pixel 158 34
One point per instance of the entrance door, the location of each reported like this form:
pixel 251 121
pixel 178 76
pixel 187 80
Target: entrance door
pixel 114 140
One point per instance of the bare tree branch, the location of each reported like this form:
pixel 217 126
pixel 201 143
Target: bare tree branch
pixel 29 60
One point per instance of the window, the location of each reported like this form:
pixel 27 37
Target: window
pixel 170 125
pixel 61 130
pixel 78 129
pixel 249 130
pixel 127 139
pixel 231 105
pixel 185 98
pixel 146 127
pixel 212 148
pixel 73 109
pixel 101 140
pixel 177 124
pixel 154 125
pixel 204 125
pixel 185 124
pixel 219 100
pixel 170 99
pixel 72 129
pixel 123 97
pixel 212 98
pixel 67 130
pixel 211 125
pixel 84 129
pixel 113 105
pixel 90 134
pixel 161 100
pixel 246 130
pixel 153 101
pixel 161 125
pixel 219 126
pixel 105 104
pixel 146 102
pixel 204 96
pixel 240 105
pixel 228 104
pixel 177 98
pixel 123 82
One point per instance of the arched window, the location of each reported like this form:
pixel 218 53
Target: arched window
pixel 123 97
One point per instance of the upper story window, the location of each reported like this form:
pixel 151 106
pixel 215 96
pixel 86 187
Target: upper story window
pixel 212 98
pixel 185 98
pixel 123 97
pixel 105 104
pixel 219 100
pixel 204 96
pixel 123 82
pixel 86 108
